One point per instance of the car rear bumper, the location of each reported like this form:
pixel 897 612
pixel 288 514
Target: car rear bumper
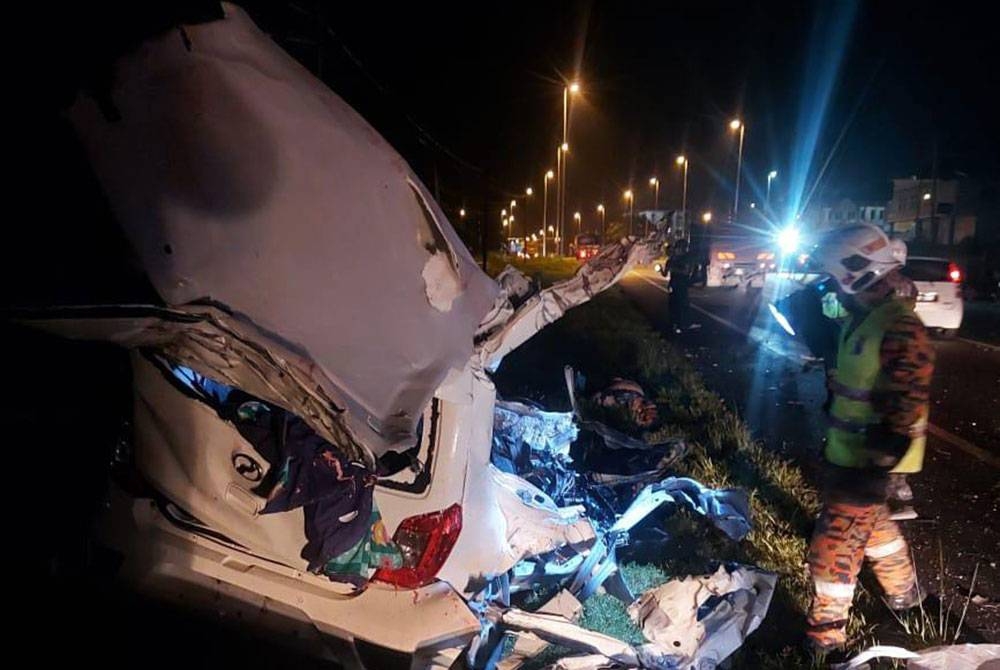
pixel 941 315
pixel 292 607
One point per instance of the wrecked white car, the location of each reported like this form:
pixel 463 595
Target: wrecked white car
pixel 311 440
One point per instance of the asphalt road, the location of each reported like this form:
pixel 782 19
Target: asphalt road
pixel 752 364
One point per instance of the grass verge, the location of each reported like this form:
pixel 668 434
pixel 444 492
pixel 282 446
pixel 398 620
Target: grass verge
pixel 609 338
pixel 543 270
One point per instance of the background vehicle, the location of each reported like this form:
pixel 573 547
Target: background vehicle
pixel 736 257
pixel 939 299
pixel 586 246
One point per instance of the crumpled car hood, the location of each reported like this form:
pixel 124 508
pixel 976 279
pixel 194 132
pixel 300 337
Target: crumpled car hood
pixel 243 183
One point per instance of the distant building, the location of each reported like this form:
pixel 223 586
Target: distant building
pixel 843 213
pixel 936 211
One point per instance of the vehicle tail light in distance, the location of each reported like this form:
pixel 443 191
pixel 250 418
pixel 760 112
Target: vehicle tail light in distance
pixel 425 540
pixel 954 274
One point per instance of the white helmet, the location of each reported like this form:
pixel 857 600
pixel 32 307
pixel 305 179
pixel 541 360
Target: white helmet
pixel 857 256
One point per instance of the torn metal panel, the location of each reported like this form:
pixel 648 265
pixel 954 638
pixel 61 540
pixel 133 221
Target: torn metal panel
pixel 516 285
pixel 534 444
pixel 526 646
pixel 543 570
pixel 957 657
pixel 515 288
pixel 516 424
pixel 681 634
pixel 597 274
pixel 563 604
pixel 728 509
pixel 947 657
pixel 534 523
pixel 240 179
pixel 589 662
pixel 557 630
pixel 221 346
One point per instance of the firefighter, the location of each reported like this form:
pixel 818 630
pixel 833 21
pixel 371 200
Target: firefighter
pixel 877 419
pixel 681 268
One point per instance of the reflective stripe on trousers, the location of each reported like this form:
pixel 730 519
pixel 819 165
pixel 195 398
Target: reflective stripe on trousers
pixel 845 535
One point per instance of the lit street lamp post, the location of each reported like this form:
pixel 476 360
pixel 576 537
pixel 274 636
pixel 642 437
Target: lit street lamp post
pixel 655 183
pixel 528 192
pixel 600 210
pixel 767 199
pixel 631 201
pixel 683 162
pixel 573 88
pixel 736 124
pixel 545 210
pixel 561 151
pixel 579 222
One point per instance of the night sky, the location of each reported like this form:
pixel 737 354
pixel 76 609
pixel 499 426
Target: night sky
pixel 915 80
pixel 471 95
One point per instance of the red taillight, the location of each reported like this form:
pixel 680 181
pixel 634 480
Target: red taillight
pixel 425 540
pixel 954 273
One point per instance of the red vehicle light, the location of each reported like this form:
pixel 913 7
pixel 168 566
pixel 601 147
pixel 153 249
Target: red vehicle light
pixel 426 541
pixel 954 273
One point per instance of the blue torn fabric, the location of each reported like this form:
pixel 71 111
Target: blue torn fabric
pixel 334 493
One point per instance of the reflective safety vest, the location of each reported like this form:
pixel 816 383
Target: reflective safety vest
pixel 857 377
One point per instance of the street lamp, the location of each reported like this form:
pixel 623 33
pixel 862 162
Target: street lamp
pixel 545 209
pixel 706 217
pixel 461 213
pixel 631 208
pixel 528 192
pixel 561 152
pixel 600 210
pixel 734 125
pixel 579 222
pixel 655 183
pixel 770 177
pixel 572 88
pixel 683 162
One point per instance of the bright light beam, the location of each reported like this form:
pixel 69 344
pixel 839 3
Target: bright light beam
pixel 780 318
pixel 788 240
pixel 831 30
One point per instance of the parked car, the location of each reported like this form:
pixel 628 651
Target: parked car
pixel 939 292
